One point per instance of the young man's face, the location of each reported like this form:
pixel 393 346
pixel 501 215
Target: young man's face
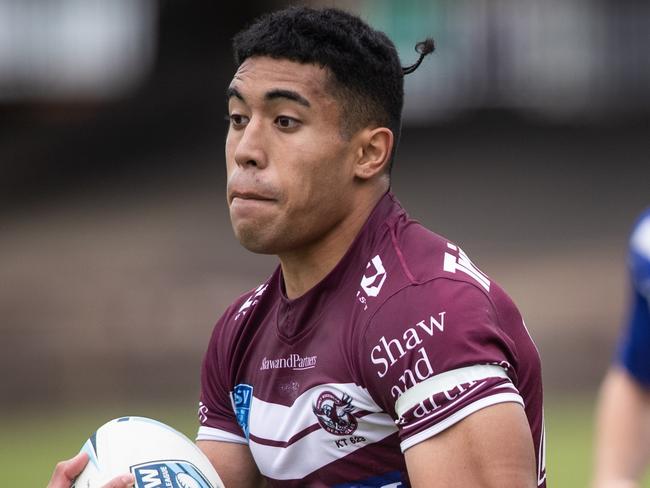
pixel 290 170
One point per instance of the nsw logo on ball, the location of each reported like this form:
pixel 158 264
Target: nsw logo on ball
pixel 169 474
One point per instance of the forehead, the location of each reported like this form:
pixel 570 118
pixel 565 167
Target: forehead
pixel 260 74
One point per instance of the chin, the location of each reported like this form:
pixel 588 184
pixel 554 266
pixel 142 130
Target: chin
pixel 251 240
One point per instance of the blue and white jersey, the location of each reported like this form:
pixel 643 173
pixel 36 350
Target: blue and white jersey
pixel 634 350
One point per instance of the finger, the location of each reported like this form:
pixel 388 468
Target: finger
pixel 66 471
pixel 75 465
pixel 124 481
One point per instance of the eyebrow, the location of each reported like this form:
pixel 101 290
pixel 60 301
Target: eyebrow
pixel 272 95
pixel 288 94
pixel 233 92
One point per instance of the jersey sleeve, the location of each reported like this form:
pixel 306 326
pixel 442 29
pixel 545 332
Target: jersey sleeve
pixel 434 354
pixel 216 413
pixel 634 348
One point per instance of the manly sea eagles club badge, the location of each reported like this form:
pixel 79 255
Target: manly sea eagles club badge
pixel 335 414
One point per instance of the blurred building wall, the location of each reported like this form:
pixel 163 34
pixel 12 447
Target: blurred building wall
pixel 74 49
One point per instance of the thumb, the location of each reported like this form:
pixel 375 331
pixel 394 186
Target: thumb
pixel 75 465
pixel 66 471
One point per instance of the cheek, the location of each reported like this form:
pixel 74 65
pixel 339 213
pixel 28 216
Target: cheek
pixel 319 178
pixel 230 147
pixel 230 144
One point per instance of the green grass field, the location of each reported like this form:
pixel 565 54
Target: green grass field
pixel 31 444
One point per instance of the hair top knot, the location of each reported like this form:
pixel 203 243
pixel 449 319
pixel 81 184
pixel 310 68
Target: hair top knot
pixel 423 47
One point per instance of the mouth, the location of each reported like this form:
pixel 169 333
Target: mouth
pixel 251 196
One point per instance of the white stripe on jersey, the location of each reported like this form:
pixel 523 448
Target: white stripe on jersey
pixel 541 456
pixel 280 423
pixel 444 382
pixel 318 449
pixel 212 434
pixel 460 415
pixel 507 386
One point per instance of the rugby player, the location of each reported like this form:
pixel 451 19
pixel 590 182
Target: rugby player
pixel 377 354
pixel 623 419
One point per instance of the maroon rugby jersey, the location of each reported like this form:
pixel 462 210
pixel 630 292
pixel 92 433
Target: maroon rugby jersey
pixel 404 338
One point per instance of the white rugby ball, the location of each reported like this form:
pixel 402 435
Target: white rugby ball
pixel 156 454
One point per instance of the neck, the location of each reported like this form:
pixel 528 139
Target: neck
pixel 303 269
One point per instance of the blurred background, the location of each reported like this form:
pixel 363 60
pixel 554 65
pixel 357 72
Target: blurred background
pixel 526 141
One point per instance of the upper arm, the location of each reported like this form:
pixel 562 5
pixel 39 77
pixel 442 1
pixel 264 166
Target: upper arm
pixel 233 462
pixel 490 448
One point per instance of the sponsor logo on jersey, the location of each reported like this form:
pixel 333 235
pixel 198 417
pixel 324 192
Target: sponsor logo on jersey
pixel 393 479
pixel 334 414
pixel 169 474
pixel 251 301
pixel 388 352
pixel 292 361
pixel 460 262
pixel 438 402
pixel 372 280
pixel 242 398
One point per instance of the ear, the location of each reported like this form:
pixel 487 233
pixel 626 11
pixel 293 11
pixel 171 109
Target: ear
pixel 374 152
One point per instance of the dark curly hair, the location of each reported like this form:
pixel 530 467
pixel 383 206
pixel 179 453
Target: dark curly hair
pixel 366 75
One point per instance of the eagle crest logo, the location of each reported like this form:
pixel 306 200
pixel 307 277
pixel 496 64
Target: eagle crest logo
pixel 334 414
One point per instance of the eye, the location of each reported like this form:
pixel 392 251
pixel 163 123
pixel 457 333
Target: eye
pixel 237 120
pixel 284 122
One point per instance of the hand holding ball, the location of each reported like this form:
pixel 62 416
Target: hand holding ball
pixel 157 456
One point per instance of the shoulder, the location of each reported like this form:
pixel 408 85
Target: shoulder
pixel 446 295
pixel 441 306
pixel 411 254
pixel 640 237
pixel 426 256
pixel 443 325
pixel 244 303
pixel 235 318
pixel 639 256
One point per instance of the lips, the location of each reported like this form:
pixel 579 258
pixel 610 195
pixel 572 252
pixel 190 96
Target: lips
pixel 249 195
pixel 245 189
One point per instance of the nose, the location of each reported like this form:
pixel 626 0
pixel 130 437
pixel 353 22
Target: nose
pixel 249 149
